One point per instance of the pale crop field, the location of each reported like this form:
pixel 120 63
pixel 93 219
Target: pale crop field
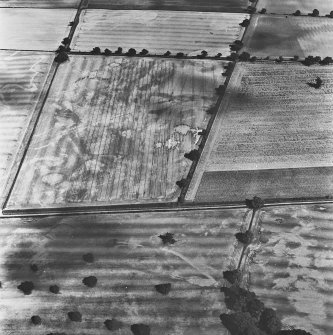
pixel 273 134
pixel 280 35
pixel 114 130
pixel 22 75
pixel 158 31
pixel 40 3
pixel 290 6
pixel 188 5
pixel 34 29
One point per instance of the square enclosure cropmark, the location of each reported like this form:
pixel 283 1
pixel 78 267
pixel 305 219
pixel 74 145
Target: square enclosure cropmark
pixel 182 5
pixel 158 31
pixel 115 130
pixel 129 260
pixel 21 81
pixel 291 6
pixel 40 3
pixel 277 35
pixel 273 136
pixel 291 267
pixel 34 29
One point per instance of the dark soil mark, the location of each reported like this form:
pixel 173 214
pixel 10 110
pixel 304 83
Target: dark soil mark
pixel 36 320
pixel 89 258
pixel 113 324
pixel 54 289
pixel 26 287
pixel 167 238
pixel 163 288
pixel 90 281
pixel 33 267
pixel 140 329
pixel 75 316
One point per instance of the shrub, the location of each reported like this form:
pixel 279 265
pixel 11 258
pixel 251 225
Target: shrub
pixel 107 52
pixel 61 57
pixel 244 56
pixel 131 52
pixel 167 54
pixel 219 55
pixel 263 11
pixel 297 13
pixel 119 51
pixel 245 23
pixel 180 55
pixel 96 51
pixel 144 52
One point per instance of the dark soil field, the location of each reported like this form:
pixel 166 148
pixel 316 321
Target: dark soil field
pixel 288 36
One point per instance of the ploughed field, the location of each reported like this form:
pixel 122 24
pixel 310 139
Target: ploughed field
pixel 279 35
pixel 290 6
pixel 290 265
pixel 272 136
pixel 34 29
pixel 114 130
pixel 127 258
pixel 158 31
pixel 184 5
pixel 22 76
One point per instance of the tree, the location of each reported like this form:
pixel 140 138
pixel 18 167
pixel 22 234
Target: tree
pixel 219 55
pixel 96 51
pixel 326 61
pixel 107 52
pixel 144 52
pixel 167 54
pixel 65 41
pixel 263 11
pixel 244 56
pixel 318 83
pixel 297 13
pixel 251 9
pixel 61 57
pixel 131 52
pixel 245 23
pixel 314 13
pixel 180 55
pixel 253 59
pixel 220 90
pixel 255 204
pixel 193 155
pixel 296 58
pixel 119 51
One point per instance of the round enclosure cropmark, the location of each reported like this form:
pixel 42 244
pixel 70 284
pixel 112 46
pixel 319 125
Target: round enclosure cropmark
pixel 36 320
pixel 140 329
pixel 90 281
pixel 163 288
pixel 113 324
pixel 75 316
pixel 26 287
pixel 54 289
pixel 89 258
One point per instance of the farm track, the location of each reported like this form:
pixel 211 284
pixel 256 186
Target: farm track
pixel 158 31
pixel 149 134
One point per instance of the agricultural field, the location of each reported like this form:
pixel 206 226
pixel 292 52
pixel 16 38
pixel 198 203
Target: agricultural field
pixel 114 130
pixel 158 31
pixel 291 265
pixel 22 75
pixel 290 6
pixel 288 36
pixel 184 5
pixel 273 134
pixel 47 28
pixel 40 3
pixel 128 258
